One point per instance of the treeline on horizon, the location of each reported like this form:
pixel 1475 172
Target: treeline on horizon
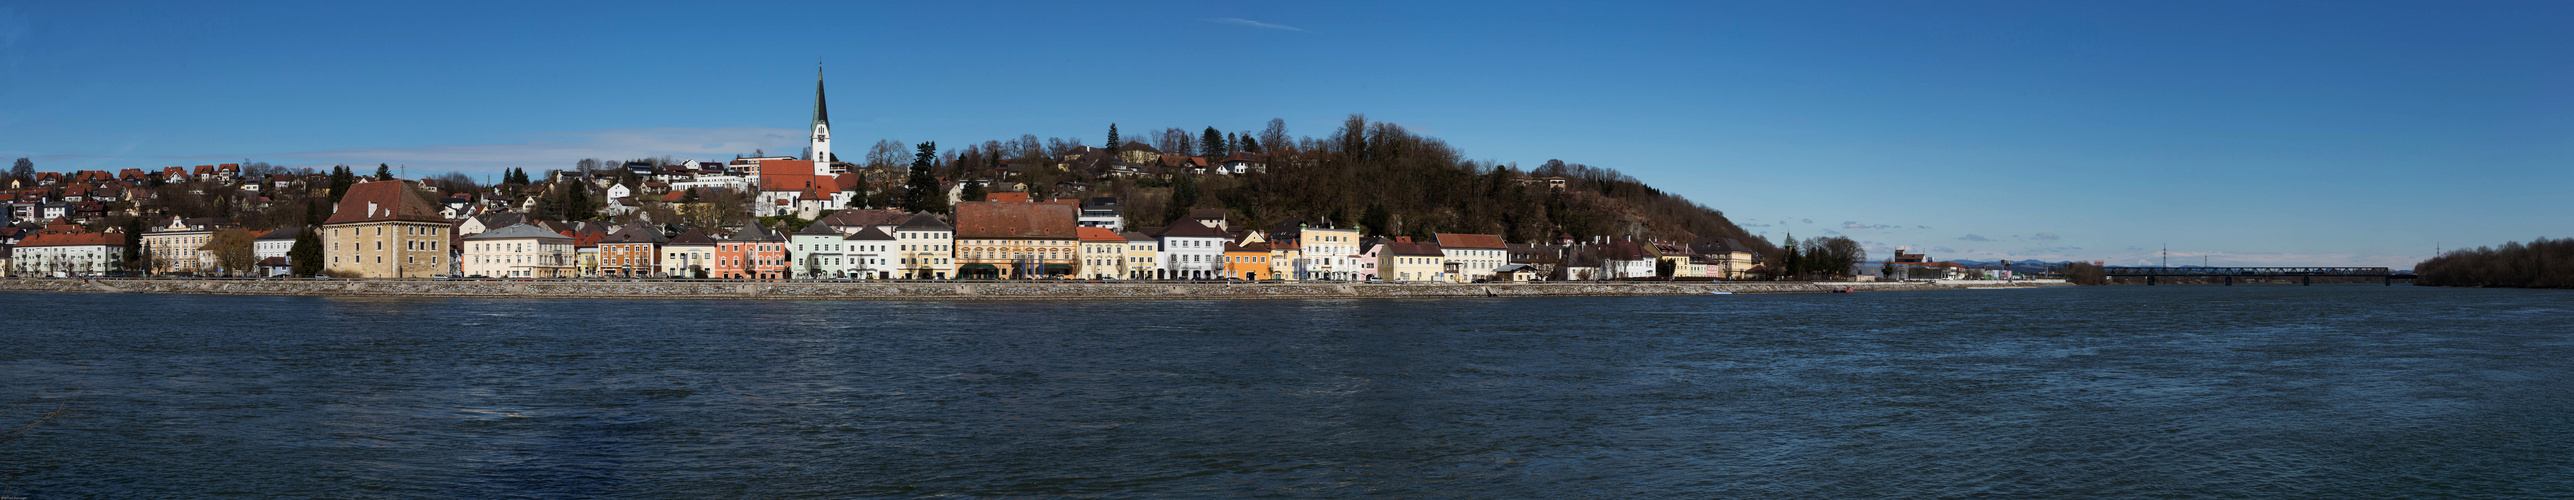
pixel 2543 263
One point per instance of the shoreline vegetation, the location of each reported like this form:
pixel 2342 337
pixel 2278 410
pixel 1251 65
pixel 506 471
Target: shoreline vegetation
pixel 961 290
pixel 2541 263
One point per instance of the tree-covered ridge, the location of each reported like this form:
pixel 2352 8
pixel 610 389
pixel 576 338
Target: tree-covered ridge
pixel 1390 181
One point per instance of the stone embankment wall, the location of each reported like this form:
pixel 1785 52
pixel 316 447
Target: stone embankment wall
pixel 934 290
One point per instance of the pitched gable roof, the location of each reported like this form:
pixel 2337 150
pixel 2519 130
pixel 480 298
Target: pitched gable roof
pixel 1089 234
pixel 925 222
pixel 635 232
pixel 856 218
pixel 692 237
pixel 382 201
pixel 1475 241
pixel 1191 228
pixel 993 219
pixel 871 234
pixel 518 232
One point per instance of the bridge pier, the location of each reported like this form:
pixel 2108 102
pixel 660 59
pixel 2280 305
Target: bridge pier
pixel 2310 281
pixel 2229 281
pixel 2149 281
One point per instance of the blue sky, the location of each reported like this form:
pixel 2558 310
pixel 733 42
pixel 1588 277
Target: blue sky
pixel 2325 133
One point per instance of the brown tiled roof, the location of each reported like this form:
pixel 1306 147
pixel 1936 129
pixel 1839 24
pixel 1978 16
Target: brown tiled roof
pixel 62 234
pixel 870 218
pixel 990 219
pixel 1191 228
pixel 1206 213
pixel 1007 197
pixel 1477 241
pixel 1099 234
pixel 391 200
pixel 1404 248
pixel 692 237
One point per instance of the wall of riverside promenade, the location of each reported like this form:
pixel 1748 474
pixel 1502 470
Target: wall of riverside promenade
pixel 936 290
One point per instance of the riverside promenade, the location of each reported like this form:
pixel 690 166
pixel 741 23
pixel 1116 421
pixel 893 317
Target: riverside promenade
pixel 947 290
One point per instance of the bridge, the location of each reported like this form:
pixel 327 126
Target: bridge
pixel 2305 274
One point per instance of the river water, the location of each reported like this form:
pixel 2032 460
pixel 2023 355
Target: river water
pixel 2170 391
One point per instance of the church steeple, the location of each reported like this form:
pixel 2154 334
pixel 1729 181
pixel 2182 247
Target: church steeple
pixel 821 127
pixel 821 113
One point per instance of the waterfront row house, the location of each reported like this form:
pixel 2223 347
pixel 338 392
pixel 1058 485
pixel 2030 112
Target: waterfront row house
pixel 1472 257
pixel 752 253
pixel 62 249
pixel 1103 253
pixel 870 254
pixel 274 251
pixel 1405 260
pixel 689 255
pixel 1143 256
pixel 1193 250
pixel 927 248
pixel 174 246
pixel 632 251
pixel 1016 240
pixel 520 251
pixel 385 229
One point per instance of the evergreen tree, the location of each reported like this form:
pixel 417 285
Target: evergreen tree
pixel 688 197
pixel 1791 265
pixel 973 191
pixel 1184 196
pixel 1232 143
pixel 1211 143
pixel 921 193
pixel 383 172
pixel 1113 145
pixel 134 244
pixel 1250 145
pixel 341 179
pixel 25 170
pixel 306 256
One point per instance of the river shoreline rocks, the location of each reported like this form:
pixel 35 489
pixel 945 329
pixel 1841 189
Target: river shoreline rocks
pixel 967 290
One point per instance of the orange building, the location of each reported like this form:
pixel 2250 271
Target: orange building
pixel 1247 261
pixel 754 253
pixel 633 251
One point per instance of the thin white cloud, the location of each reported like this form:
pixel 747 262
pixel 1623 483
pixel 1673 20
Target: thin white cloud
pixel 1973 237
pixel 555 150
pixel 1856 225
pixel 1256 24
pixel 2047 236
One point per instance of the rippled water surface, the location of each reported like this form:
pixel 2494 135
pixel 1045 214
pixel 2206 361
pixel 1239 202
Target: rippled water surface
pixel 2172 391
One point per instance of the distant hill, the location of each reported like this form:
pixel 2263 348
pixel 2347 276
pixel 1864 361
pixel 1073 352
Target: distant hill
pixel 1388 181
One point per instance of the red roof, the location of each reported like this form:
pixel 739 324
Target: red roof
pixel 65 235
pixel 1100 234
pixel 1478 241
pixel 989 219
pixel 1007 197
pixel 388 200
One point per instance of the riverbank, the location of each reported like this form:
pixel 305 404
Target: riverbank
pixel 829 290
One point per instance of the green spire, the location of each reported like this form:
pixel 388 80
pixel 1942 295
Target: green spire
pixel 821 114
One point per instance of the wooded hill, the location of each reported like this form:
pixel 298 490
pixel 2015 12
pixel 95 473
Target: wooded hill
pixel 1388 181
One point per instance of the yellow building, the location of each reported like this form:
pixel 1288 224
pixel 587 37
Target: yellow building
pixel 384 229
pixel 1103 253
pixel 1143 256
pixel 1403 260
pixel 1004 240
pixel 925 248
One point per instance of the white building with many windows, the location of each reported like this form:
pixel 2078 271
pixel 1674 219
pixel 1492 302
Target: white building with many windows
pixel 1192 250
pixel 520 251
